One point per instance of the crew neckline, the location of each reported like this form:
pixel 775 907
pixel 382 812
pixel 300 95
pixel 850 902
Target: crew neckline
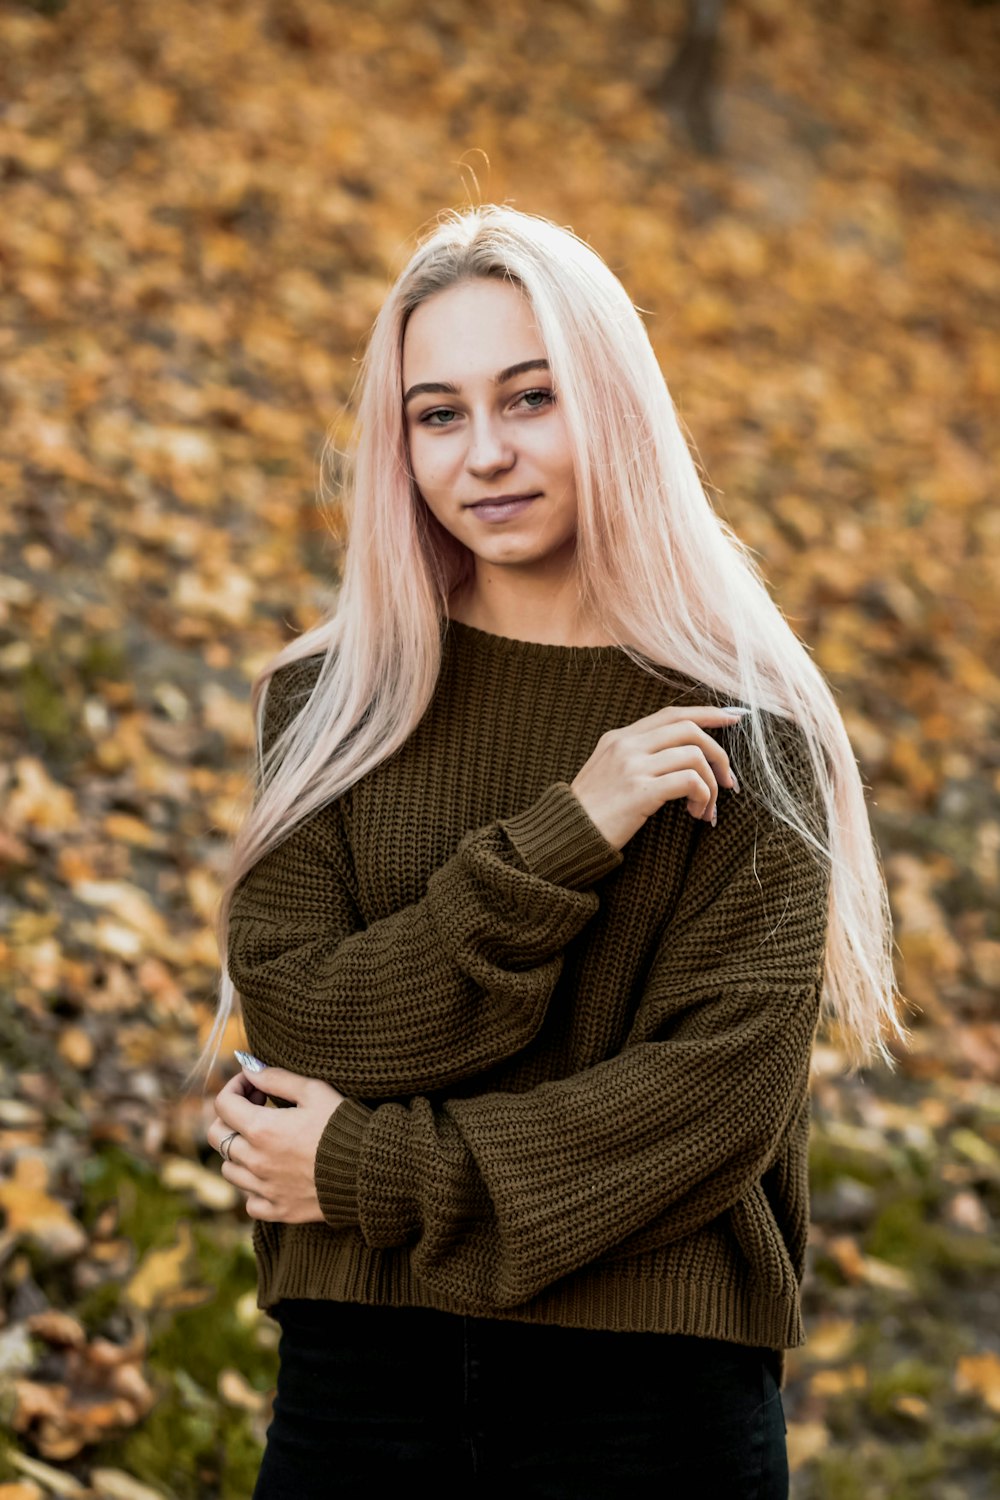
pixel 510 645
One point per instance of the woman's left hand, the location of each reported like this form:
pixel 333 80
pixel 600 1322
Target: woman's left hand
pixel 271 1153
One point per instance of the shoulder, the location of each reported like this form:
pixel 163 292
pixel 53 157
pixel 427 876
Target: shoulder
pixel 792 759
pixel 285 692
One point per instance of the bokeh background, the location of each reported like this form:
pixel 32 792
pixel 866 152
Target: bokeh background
pixel 201 207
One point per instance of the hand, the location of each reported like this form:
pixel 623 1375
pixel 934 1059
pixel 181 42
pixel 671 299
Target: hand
pixel 634 770
pixel 272 1155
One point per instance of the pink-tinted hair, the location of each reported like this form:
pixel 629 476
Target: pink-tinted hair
pixel 658 570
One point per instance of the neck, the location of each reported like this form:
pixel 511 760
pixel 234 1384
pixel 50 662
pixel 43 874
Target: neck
pixel 551 618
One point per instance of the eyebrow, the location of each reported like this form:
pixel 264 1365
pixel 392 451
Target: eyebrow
pixel 445 387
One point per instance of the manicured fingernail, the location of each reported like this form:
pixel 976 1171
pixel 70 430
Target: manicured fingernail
pixel 248 1061
pixel 736 785
pixel 715 817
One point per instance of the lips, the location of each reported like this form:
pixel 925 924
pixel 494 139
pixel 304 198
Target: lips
pixel 501 500
pixel 503 508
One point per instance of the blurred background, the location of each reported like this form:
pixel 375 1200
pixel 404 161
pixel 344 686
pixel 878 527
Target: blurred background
pixel 201 208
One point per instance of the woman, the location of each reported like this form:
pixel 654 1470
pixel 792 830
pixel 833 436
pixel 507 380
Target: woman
pixel 539 973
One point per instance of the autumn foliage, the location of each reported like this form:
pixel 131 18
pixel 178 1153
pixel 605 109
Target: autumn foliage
pixel 202 206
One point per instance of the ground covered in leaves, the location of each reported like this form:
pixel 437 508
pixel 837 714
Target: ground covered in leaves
pixel 202 208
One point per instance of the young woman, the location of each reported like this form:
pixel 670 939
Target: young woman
pixel 537 969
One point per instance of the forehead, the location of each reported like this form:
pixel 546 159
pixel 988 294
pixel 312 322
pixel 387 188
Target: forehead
pixel 474 327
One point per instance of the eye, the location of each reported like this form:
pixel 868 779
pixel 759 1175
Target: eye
pixel 547 396
pixel 530 398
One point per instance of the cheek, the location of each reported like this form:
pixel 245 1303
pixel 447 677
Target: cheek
pixel 556 454
pixel 429 461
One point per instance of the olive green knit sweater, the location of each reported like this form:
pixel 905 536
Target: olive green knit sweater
pixel 576 1077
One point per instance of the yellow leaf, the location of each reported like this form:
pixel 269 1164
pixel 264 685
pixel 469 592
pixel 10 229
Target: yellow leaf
pixel 211 1190
pixel 835 1382
pixel 32 1212
pixel 806 1441
pixel 831 1339
pixel 236 1390
pixel 914 1407
pixel 37 801
pixel 161 1271
pixel 979 1375
pixel 56 1481
pixel 115 1484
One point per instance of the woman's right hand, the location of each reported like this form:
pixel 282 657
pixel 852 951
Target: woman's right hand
pixel 634 770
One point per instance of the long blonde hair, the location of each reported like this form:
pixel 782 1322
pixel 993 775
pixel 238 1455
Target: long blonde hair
pixel 657 568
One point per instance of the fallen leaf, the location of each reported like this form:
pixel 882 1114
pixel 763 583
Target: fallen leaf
pixel 161 1271
pixel 54 1481
pixel 979 1374
pixel 208 1187
pixel 38 801
pixel 831 1339
pixel 914 1407
pixel 115 1484
pixel 836 1382
pixel 806 1441
pixel 237 1391
pixel 57 1328
pixel 32 1212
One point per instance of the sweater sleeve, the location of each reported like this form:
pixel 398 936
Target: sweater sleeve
pixel 436 992
pixel 499 1195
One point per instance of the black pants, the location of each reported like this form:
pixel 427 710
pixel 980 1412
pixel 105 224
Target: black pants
pixel 482 1407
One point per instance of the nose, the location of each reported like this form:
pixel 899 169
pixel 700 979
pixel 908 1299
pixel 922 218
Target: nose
pixel 490 448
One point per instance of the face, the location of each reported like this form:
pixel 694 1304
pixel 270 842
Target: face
pixel 483 422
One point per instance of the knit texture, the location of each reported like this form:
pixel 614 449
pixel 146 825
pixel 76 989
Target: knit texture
pixel 576 1077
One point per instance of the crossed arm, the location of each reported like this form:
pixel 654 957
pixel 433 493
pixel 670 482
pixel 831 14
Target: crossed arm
pixel 497 1195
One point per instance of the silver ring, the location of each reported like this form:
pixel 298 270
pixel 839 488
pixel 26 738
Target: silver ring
pixel 224 1143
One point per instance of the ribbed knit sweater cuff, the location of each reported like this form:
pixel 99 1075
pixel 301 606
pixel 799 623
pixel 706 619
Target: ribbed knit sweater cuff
pixel 336 1165
pixel 557 839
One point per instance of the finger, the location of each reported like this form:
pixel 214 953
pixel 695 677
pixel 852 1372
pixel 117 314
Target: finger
pixel 238 1113
pixel 238 1151
pixel 703 792
pixel 242 1177
pixel 282 1083
pixel 711 715
pixel 687 783
pixel 684 733
pixel 254 1095
pixel 261 1208
pixel 237 1086
pixel 217 1132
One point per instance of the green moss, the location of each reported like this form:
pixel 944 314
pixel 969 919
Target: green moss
pixel 99 1306
pixel 906 1234
pixel 830 1160
pixel 7 1469
pixel 102 656
pixel 176 1444
pixel 191 1441
pixel 148 1211
pixel 876 1471
pixel 45 704
pixel 907 1377
pixel 203 1340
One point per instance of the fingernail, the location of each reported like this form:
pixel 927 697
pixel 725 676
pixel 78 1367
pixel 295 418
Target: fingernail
pixel 736 785
pixel 248 1061
pixel 715 817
